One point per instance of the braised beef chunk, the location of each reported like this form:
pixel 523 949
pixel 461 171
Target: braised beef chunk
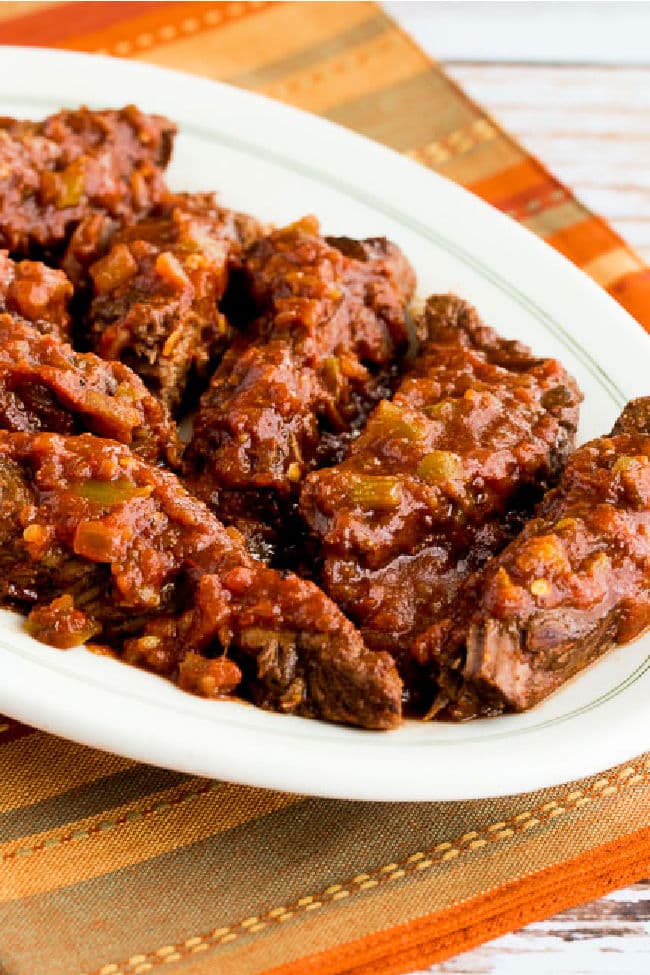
pixel 36 293
pixel 575 582
pixel 295 652
pixel 328 327
pixel 58 172
pixel 157 292
pixel 635 418
pixel 449 320
pixel 439 477
pixel 104 546
pixel 45 385
pixel 331 675
pixel 89 241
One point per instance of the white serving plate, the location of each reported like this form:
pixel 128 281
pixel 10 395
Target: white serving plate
pixel 280 163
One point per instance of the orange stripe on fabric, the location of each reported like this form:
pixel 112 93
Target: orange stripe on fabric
pixel 510 183
pixel 585 240
pixel 238 47
pixel 612 266
pixel 163 25
pixel 534 200
pixel 633 292
pixel 514 179
pixel 326 42
pixel 56 24
pixel 442 934
pixel 12 10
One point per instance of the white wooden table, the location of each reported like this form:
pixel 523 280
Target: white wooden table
pixel 589 124
pixel 571 81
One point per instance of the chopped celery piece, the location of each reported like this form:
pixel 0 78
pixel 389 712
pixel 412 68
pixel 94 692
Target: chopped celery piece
pixel 441 467
pixel 332 371
pixel 109 492
pixel 396 423
pixel 379 492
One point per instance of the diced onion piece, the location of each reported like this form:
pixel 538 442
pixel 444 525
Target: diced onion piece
pixel 71 185
pixel 113 270
pixel 170 269
pixel 97 541
pixel 60 624
pixel 208 678
pixel 173 340
pixel 332 371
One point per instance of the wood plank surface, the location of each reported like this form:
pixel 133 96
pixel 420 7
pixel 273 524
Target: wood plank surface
pixel 590 125
pixel 610 936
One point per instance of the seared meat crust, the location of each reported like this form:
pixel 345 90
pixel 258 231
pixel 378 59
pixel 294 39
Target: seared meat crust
pixel 440 476
pixel 575 582
pixel 104 546
pixel 157 293
pixel 330 327
pixel 58 172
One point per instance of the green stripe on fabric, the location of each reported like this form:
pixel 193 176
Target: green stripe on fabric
pixel 308 57
pixel 411 113
pixel 87 800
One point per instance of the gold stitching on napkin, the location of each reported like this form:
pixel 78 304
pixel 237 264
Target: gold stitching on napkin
pixel 415 863
pixel 190 25
pixel 457 143
pixel 348 62
pixel 108 824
